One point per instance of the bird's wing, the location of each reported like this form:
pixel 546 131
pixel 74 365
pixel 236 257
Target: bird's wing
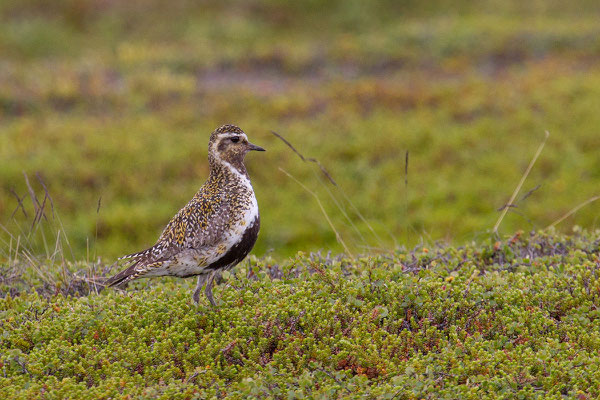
pixel 200 224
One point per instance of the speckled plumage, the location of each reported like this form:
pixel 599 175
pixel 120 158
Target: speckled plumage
pixel 215 230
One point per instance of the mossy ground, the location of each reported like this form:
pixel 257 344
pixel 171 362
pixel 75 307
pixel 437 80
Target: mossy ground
pixel 516 318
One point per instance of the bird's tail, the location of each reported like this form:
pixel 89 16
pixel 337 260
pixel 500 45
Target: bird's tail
pixel 122 277
pixel 138 265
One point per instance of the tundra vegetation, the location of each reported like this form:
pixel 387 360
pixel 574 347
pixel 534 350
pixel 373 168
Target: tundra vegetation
pixel 377 272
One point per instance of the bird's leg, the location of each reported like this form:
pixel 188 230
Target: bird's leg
pixel 196 295
pixel 218 278
pixel 208 289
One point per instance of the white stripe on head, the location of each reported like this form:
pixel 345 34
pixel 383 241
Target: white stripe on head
pixel 227 135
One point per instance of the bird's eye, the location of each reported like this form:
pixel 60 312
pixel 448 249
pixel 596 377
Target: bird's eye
pixel 235 139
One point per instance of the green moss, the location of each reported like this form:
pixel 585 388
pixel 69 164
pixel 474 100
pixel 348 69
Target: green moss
pixel 514 318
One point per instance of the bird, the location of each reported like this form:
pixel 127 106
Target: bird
pixel 214 231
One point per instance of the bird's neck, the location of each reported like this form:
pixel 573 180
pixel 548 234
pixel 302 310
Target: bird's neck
pixel 232 168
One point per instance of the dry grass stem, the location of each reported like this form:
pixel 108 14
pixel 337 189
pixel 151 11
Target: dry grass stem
pixel 340 207
pixel 306 159
pixel 518 188
pixel 337 234
pixel 330 178
pixel 573 211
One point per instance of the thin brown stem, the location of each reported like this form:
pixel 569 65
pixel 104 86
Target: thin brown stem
pixel 518 188
pixel 573 211
pixel 337 234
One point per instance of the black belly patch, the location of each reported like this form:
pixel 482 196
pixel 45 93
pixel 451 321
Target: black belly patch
pixel 239 250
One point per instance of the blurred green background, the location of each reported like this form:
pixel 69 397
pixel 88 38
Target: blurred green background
pixel 115 100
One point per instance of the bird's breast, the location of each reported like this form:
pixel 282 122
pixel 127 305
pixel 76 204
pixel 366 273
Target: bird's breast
pixel 242 245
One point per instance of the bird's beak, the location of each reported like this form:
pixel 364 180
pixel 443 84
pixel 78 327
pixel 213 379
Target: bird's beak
pixel 255 147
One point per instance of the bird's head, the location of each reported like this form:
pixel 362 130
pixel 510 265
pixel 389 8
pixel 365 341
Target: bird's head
pixel 230 144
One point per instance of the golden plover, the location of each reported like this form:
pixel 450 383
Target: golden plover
pixel 215 230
